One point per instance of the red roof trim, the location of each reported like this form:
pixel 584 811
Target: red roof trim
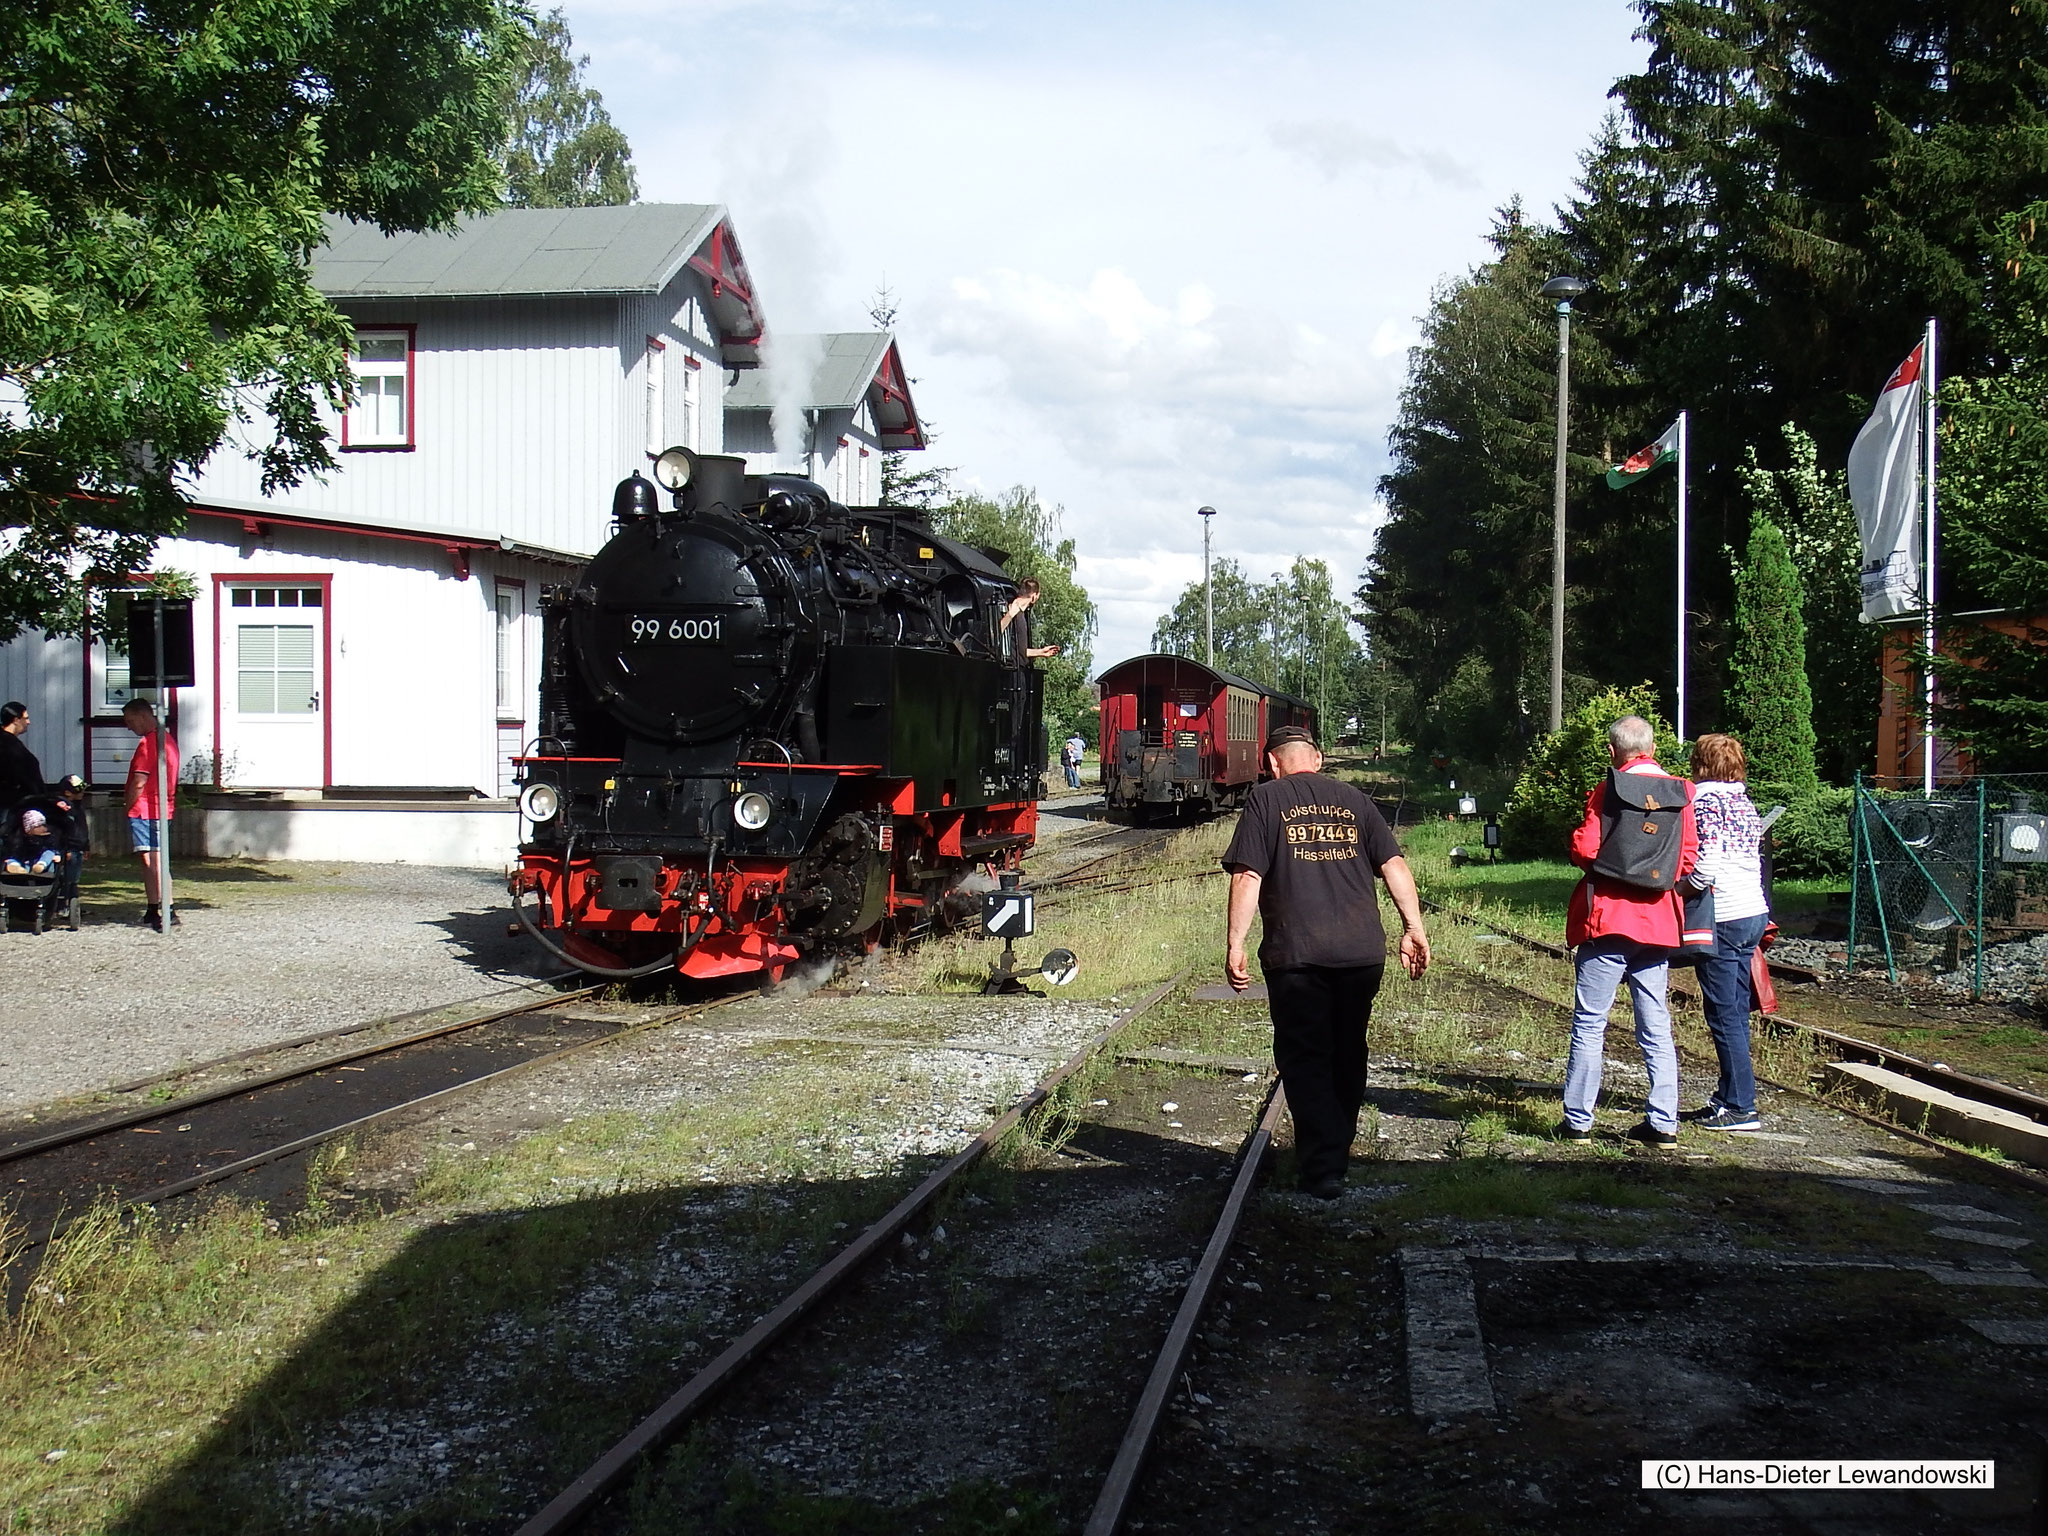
pixel 733 306
pixel 257 525
pixel 895 412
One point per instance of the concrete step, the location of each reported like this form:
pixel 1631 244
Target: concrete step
pixel 1937 1112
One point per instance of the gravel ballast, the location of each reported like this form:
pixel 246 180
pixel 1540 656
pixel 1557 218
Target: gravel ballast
pixel 263 954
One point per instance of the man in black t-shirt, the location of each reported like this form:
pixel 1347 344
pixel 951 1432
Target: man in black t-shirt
pixel 1305 856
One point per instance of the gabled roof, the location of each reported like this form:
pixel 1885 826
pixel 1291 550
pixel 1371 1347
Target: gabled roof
pixel 550 252
pixel 851 366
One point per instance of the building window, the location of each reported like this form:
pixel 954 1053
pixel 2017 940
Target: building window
pixel 842 464
pixel 511 600
pixel 860 479
pixel 691 369
pixel 381 416
pixel 657 424
pixel 274 669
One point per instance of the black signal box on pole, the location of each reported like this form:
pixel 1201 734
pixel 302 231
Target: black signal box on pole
pixel 142 661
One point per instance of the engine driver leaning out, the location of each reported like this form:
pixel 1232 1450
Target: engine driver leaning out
pixel 1018 642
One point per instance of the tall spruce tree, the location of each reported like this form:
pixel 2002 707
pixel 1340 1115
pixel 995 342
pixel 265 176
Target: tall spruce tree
pixel 1772 701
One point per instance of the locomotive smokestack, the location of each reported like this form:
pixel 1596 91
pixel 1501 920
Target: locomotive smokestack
pixel 720 484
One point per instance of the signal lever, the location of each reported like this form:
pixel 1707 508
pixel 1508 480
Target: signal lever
pixel 1008 913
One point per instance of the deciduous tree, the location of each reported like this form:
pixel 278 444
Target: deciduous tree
pixel 564 151
pixel 1028 535
pixel 163 172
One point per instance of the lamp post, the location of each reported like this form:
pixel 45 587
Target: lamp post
pixel 1208 593
pixel 1563 290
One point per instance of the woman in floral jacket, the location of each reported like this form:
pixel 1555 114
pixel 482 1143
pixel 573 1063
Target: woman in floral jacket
pixel 1731 863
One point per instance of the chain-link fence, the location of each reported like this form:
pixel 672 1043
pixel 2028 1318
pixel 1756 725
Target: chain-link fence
pixel 1957 869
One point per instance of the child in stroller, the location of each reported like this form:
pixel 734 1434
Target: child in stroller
pixel 43 842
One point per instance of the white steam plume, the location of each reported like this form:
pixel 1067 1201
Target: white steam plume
pixel 791 360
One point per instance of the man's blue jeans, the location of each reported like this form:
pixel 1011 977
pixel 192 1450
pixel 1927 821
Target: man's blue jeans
pixel 1599 968
pixel 1724 989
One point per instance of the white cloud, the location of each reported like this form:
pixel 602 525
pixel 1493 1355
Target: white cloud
pixel 1334 147
pixel 1148 255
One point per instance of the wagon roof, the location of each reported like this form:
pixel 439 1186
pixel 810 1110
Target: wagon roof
pixel 1216 672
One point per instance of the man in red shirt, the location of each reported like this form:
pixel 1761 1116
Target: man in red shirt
pixel 1623 932
pixel 140 797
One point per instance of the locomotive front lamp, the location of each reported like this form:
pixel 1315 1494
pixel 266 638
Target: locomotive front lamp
pixel 675 469
pixel 1491 833
pixel 752 810
pixel 540 802
pixel 1467 806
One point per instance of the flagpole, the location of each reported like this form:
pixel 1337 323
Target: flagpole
pixel 1927 386
pixel 1681 574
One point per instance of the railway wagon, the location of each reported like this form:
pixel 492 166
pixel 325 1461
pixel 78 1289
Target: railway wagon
pixel 1178 735
pixel 771 725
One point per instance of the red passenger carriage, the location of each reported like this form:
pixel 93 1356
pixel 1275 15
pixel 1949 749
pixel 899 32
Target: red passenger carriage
pixel 1177 734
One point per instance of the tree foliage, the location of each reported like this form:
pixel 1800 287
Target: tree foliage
pixel 1789 189
pixel 1772 702
pixel 1290 633
pixel 163 172
pixel 1027 534
pixel 564 150
pixel 1810 507
pixel 1550 795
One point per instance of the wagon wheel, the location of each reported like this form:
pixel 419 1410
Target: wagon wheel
pixel 73 912
pixel 38 928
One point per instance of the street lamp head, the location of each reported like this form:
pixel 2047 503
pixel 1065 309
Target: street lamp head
pixel 1563 289
pixel 1205 511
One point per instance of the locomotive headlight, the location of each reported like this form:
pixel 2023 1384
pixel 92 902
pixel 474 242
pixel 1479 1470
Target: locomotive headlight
pixel 540 802
pixel 675 468
pixel 752 810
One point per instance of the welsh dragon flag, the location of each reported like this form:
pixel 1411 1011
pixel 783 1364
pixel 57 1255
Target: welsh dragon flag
pixel 1643 460
pixel 1884 484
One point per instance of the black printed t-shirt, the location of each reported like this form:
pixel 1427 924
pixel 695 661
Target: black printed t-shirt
pixel 1317 846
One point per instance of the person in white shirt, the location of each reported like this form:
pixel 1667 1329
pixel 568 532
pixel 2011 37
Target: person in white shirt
pixel 1731 863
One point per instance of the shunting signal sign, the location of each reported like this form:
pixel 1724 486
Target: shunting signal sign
pixel 1008 914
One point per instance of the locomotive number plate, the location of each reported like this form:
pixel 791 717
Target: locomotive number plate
pixel 675 629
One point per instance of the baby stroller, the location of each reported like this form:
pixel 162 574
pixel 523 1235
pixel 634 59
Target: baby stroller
pixel 42 901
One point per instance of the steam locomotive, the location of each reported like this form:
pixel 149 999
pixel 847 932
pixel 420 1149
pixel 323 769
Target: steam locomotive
pixel 770 725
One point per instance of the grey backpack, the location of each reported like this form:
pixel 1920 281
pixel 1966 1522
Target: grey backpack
pixel 1641 825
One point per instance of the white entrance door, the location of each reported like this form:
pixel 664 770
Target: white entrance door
pixel 272 686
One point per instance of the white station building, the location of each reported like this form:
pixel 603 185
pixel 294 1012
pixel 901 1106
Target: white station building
pixel 367 646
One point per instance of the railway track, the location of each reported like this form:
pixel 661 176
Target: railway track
pixel 584 1497
pixel 1842 1046
pixel 157 1152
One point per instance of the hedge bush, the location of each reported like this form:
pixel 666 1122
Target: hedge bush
pixel 1550 795
pixel 1811 840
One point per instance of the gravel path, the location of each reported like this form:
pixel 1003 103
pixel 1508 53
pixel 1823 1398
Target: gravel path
pixel 264 953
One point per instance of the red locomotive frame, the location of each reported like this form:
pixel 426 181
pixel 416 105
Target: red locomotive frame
pixel 730 916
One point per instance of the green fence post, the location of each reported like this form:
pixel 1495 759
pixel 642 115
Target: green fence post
pixel 1855 868
pixel 1983 826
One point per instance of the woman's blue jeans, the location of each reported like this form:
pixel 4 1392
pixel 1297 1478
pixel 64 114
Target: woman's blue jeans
pixel 1724 985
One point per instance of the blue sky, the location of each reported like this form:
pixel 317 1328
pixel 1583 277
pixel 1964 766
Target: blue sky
pixel 1146 256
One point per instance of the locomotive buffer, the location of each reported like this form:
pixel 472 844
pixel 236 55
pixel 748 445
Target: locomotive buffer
pixel 1009 913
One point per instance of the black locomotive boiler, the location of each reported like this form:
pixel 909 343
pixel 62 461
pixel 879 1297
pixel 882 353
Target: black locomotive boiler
pixel 770 724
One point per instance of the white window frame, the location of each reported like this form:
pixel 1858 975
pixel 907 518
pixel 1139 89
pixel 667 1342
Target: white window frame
pixel 693 369
pixel 657 422
pixel 508 614
pixel 357 430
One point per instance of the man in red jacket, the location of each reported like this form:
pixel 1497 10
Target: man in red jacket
pixel 1624 932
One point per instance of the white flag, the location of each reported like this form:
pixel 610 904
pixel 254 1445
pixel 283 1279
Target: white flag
pixel 1884 483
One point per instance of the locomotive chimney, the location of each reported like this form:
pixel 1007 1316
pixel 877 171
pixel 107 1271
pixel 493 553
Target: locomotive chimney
pixel 720 484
